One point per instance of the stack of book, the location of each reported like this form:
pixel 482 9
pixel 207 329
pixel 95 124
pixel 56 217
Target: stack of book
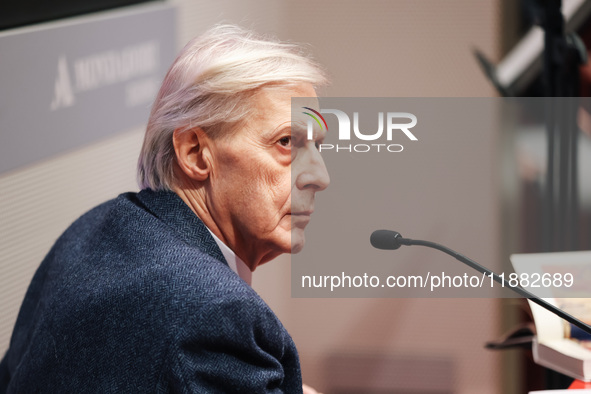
pixel 557 344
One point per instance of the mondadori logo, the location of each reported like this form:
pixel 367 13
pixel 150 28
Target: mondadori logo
pixel 391 125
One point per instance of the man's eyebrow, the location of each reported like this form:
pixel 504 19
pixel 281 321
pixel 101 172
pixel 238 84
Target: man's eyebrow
pixel 299 128
pixel 296 128
pixel 286 126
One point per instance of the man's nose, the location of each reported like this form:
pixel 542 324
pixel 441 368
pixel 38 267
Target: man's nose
pixel 313 173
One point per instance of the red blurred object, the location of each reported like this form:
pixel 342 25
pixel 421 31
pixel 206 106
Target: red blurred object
pixel 579 384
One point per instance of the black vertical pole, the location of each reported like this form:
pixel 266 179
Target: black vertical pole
pixel 561 58
pixel 553 25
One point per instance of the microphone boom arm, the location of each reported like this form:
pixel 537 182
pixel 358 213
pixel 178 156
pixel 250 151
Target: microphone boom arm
pixel 517 289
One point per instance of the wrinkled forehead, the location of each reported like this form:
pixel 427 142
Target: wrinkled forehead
pixel 271 108
pixel 282 106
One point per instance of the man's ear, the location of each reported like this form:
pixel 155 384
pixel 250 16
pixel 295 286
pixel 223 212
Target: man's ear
pixel 192 152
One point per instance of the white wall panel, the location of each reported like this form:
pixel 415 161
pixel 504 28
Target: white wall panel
pixel 39 202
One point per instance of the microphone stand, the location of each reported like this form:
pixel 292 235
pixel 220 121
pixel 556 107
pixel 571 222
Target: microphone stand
pixel 563 54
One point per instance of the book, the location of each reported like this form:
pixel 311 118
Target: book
pixel 559 345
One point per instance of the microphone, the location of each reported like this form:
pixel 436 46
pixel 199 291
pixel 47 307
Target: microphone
pixel 386 239
pixel 392 240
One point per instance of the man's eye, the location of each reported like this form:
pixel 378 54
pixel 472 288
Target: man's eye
pixel 285 141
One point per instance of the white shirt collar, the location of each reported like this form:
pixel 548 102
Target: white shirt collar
pixel 235 263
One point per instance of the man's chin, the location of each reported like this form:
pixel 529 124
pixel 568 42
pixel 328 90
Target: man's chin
pixel 297 242
pixel 297 248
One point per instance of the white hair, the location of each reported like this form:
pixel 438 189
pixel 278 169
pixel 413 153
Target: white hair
pixel 210 85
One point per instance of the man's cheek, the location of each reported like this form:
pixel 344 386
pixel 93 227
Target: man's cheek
pixel 278 185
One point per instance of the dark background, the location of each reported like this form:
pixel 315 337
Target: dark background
pixel 16 13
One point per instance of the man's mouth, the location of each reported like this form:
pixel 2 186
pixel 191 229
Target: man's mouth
pixel 301 218
pixel 302 213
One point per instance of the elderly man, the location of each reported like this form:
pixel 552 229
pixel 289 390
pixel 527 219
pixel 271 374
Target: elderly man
pixel 149 292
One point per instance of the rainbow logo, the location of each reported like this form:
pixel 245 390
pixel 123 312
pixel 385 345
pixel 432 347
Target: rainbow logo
pixel 316 118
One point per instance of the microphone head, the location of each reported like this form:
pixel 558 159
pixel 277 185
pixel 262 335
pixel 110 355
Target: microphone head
pixel 385 239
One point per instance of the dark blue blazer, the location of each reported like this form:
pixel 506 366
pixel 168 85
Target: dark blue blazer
pixel 136 297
